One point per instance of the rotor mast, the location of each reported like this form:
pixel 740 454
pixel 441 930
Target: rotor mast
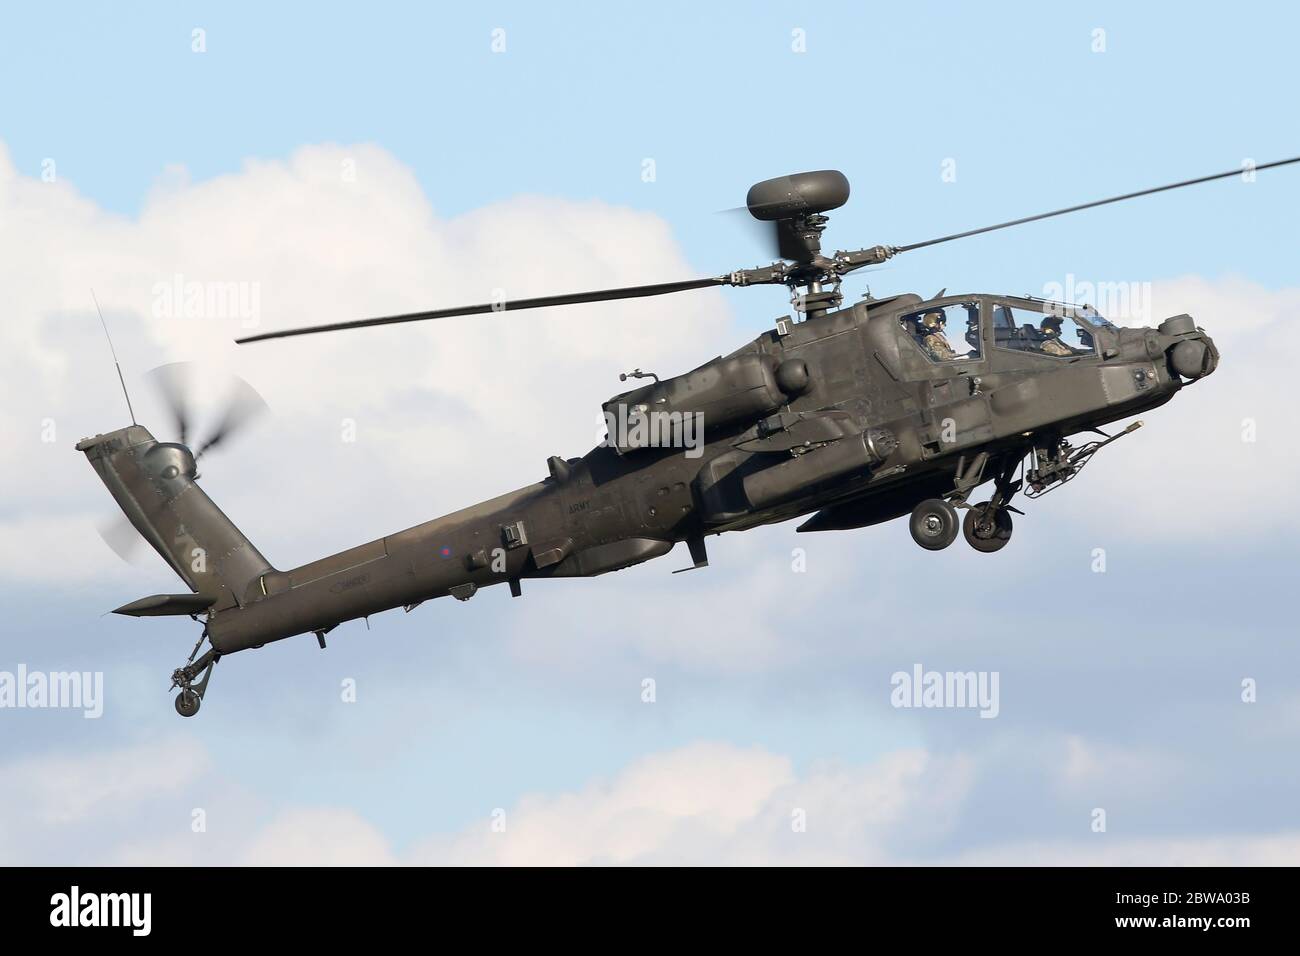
pixel 796 206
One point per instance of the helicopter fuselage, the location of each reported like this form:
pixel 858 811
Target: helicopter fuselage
pixel 868 425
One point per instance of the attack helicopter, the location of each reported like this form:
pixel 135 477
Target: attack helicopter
pixel 851 415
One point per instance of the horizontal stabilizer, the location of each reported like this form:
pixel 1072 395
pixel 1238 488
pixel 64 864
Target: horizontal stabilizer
pixel 157 605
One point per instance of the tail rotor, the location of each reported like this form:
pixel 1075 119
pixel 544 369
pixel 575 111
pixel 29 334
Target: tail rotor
pixel 175 384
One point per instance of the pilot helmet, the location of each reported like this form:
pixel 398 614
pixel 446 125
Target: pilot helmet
pixel 1051 325
pixel 933 320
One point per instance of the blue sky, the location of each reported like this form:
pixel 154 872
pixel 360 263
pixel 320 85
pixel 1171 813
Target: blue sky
pixel 1119 689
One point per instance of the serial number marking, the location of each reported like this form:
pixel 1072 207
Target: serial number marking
pixel 349 584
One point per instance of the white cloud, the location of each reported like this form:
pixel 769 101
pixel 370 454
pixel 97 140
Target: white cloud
pixel 692 796
pixel 65 790
pixel 703 803
pixel 318 837
pixel 707 802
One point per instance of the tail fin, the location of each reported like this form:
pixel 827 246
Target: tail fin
pixel 153 483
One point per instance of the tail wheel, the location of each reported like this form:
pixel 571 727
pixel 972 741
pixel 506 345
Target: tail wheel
pixel 987 532
pixel 934 524
pixel 187 703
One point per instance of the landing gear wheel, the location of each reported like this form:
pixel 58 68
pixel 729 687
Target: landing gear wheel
pixel 187 703
pixel 934 524
pixel 190 698
pixel 987 533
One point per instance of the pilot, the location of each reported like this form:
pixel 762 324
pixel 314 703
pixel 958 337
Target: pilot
pixel 933 338
pixel 1050 328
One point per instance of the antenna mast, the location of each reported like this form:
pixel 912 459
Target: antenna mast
pixel 113 352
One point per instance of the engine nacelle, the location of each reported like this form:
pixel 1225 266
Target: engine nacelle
pixel 739 389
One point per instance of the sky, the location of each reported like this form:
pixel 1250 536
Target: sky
pixel 334 162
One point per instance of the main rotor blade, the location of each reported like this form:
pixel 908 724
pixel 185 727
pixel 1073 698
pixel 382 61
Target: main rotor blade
pixel 1099 202
pixel 572 298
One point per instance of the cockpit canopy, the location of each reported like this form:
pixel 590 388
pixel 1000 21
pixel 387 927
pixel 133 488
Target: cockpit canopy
pixel 953 329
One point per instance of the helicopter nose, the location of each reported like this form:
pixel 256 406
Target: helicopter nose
pixel 1194 358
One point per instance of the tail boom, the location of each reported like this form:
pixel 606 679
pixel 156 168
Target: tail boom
pixel 154 483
